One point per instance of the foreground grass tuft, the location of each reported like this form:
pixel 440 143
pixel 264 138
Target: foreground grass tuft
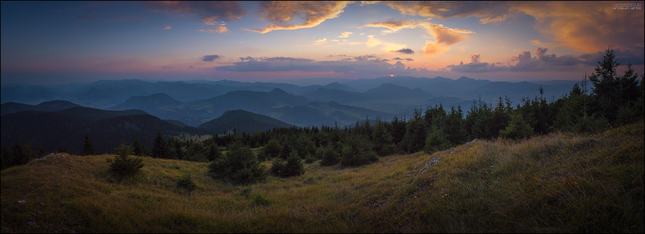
pixel 557 183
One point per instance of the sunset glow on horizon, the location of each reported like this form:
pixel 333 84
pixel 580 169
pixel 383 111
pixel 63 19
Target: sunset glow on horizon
pixel 63 42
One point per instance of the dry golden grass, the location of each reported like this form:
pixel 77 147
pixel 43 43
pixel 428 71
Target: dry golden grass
pixel 557 183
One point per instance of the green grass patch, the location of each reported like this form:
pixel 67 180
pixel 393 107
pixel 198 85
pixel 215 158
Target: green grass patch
pixel 557 183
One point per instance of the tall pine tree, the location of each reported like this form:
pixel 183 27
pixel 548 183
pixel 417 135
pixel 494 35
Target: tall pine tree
pixel 160 149
pixel 88 149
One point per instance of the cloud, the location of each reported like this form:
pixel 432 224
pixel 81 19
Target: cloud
pixel 281 12
pixel 210 58
pixel 524 56
pixel 320 41
pixel 364 58
pixel 166 28
pixel 220 29
pixel 406 59
pixel 362 65
pixel 486 11
pixel 588 27
pixel 585 27
pixel 209 12
pixel 405 51
pixel 540 51
pixel 387 46
pixel 545 62
pixel 290 59
pixel 635 56
pixel 474 58
pixel 433 48
pixel 476 67
pixel 371 41
pixel 345 34
pixel 444 36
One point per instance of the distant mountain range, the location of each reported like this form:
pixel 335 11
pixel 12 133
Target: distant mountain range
pixel 278 104
pixel 197 102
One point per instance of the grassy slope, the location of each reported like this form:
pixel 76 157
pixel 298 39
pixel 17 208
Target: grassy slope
pixel 557 183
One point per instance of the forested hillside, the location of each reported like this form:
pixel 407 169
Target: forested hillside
pixel 64 130
pixel 242 121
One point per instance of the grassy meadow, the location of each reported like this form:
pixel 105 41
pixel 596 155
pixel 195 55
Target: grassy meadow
pixel 561 182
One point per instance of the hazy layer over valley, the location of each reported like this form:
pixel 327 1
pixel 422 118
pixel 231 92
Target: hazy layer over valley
pixel 197 102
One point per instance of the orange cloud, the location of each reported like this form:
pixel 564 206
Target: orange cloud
pixel 345 34
pixel 220 29
pixel 588 27
pixel 387 46
pixel 433 48
pixel 315 13
pixel 540 51
pixel 444 36
pixel 320 41
pixel 486 11
pixel 585 27
pixel 166 28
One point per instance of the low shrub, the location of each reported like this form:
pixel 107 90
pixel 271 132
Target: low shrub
pixel 186 182
pixel 124 165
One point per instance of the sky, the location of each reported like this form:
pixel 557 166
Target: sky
pixel 65 42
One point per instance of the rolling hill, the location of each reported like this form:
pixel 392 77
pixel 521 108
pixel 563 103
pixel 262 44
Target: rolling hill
pixel 66 128
pixel 12 107
pixel 155 104
pixel 562 182
pixel 198 112
pixel 391 91
pixel 243 121
pixel 334 95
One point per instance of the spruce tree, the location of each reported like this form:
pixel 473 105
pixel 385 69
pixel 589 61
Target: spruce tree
pixel 239 165
pixel 357 150
pixel 88 149
pixel 272 148
pixel 160 149
pixel 214 153
pixel 294 166
pixel 455 129
pixel 517 128
pixel 499 120
pixel 123 165
pixel 613 91
pixel 285 151
pixel 397 129
pixel 138 149
pixel 329 156
pixel 435 141
pixel 277 166
pixel 415 134
pixel 382 139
